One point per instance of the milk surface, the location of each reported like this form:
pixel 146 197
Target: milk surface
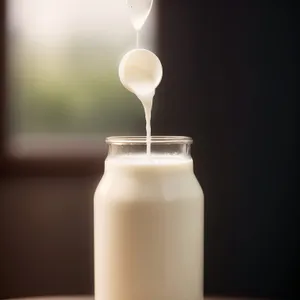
pixel 148 229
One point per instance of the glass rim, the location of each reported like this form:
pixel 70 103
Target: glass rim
pixel 142 140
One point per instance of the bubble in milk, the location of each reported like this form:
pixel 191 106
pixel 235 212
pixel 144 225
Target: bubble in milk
pixel 139 11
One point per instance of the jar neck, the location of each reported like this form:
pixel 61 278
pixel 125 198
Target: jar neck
pixel 160 145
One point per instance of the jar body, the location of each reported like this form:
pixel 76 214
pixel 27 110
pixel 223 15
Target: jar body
pixel 148 230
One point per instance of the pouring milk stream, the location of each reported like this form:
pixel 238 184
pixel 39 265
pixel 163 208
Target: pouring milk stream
pixel 140 71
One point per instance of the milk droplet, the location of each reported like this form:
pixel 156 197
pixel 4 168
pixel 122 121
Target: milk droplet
pixel 139 12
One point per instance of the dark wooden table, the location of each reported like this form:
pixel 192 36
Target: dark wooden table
pixel 91 298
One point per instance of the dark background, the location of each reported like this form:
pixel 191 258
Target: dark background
pixel 229 82
pixel 230 85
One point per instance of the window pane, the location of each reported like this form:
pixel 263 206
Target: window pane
pixel 63 71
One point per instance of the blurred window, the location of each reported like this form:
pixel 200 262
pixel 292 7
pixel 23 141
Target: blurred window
pixel 62 66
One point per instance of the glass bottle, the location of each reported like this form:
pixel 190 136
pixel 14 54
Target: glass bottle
pixel 148 222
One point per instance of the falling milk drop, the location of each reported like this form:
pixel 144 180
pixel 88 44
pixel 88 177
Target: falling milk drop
pixel 139 12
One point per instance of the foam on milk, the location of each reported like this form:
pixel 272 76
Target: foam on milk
pixel 167 161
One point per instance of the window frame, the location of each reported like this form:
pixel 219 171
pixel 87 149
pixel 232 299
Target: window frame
pixel 80 164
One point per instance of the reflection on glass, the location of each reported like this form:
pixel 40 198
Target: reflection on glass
pixel 62 65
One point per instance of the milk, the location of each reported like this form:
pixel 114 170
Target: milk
pixel 140 72
pixel 139 11
pixel 148 226
pixel 147 101
pixel 142 83
pixel 148 207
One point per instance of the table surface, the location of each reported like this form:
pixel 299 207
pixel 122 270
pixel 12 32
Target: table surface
pixel 91 298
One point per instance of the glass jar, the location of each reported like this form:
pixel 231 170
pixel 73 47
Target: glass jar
pixel 148 222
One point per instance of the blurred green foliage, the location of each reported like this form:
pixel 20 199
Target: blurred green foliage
pixel 74 89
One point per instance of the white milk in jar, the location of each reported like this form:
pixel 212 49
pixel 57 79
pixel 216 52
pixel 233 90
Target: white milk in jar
pixel 148 222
